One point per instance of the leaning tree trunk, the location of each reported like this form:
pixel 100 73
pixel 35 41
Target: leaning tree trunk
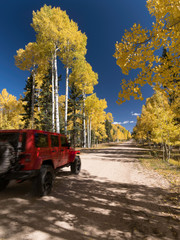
pixel 56 95
pixel 66 98
pixel 53 98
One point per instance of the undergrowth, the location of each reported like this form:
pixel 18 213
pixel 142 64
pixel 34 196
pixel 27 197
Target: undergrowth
pixel 170 170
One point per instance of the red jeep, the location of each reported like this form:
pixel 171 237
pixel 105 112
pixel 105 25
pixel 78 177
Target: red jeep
pixel 35 155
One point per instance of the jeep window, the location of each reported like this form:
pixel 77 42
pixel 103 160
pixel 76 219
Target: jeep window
pixel 64 142
pixel 54 141
pixel 10 137
pixel 23 141
pixel 41 140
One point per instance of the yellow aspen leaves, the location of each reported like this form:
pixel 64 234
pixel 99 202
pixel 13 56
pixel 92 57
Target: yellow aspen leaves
pixel 158 120
pixel 94 105
pixel 142 49
pixel 10 110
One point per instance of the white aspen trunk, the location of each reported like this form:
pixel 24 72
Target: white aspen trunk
pixel 38 94
pixel 84 121
pixel 88 132
pixel 53 102
pixel 56 95
pixel 32 98
pixel 163 152
pixel 66 98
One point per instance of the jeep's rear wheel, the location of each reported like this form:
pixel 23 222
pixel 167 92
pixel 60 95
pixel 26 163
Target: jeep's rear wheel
pixel 3 184
pixel 42 184
pixel 6 155
pixel 76 165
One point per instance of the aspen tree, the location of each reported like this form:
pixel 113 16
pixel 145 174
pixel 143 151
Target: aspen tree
pixel 73 48
pixel 50 25
pixel 94 107
pixel 85 78
pixel 28 59
pixel 10 110
pixel 139 49
pixel 90 111
pixel 119 133
pixel 158 122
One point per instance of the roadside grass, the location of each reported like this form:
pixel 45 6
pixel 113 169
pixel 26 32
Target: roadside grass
pixel 101 145
pixel 170 170
pixel 106 145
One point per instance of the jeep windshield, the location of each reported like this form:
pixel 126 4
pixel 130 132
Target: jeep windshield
pixel 10 137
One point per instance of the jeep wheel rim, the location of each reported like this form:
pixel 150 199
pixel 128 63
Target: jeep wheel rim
pixel 78 165
pixel 47 183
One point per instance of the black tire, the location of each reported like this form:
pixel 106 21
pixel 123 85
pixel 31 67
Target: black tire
pixel 42 184
pixel 3 184
pixel 6 156
pixel 76 166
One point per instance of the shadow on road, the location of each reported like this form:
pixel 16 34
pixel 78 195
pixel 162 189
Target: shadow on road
pixel 120 152
pixel 82 207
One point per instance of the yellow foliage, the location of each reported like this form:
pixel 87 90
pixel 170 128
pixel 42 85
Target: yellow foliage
pixel 109 117
pixel 83 76
pixel 10 110
pixel 62 105
pixel 94 108
pixel 138 50
pixel 119 133
pixel 157 121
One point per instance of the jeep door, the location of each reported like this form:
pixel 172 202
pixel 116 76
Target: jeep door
pixel 42 146
pixel 64 150
pixel 55 154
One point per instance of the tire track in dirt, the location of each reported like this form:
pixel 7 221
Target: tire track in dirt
pixel 112 198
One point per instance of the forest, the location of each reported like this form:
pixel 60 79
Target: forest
pixel 155 53
pixel 79 114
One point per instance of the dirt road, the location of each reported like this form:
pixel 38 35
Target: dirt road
pixel 112 198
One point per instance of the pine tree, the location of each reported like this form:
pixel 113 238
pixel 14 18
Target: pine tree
pixel 108 127
pixel 29 118
pixel 74 115
pixel 45 104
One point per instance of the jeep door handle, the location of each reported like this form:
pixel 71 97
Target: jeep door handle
pixel 53 151
pixel 62 150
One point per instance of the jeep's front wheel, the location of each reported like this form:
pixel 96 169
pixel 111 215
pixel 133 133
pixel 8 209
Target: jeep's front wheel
pixel 76 166
pixel 42 184
pixel 3 184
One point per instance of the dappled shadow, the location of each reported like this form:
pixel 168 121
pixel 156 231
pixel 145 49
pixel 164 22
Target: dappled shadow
pixel 85 207
pixel 120 154
pixel 128 148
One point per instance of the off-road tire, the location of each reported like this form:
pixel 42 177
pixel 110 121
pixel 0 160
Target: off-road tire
pixel 42 184
pixel 3 184
pixel 6 156
pixel 76 166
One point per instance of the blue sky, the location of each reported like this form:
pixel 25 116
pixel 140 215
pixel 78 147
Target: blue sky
pixel 103 21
